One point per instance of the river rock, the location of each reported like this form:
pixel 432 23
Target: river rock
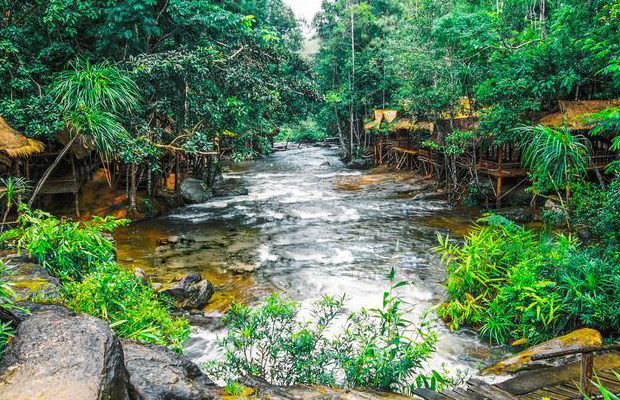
pixel 32 279
pixel 141 275
pixel 260 389
pixel 158 373
pixel 553 206
pixel 520 215
pixel 232 251
pixel 434 195
pixel 585 337
pixel 58 355
pixel 195 191
pixel 191 292
pixel 230 191
pixel 359 163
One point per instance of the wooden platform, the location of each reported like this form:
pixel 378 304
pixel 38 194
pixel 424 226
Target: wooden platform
pixel 413 152
pixel 60 186
pixel 559 383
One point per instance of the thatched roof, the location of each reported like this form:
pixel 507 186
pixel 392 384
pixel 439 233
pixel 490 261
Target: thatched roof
pixel 380 116
pixel 575 113
pixel 369 126
pixel 16 145
pixel 406 124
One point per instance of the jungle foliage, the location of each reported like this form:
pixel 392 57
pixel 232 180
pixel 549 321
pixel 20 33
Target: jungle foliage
pixel 511 58
pixel 513 283
pixel 209 76
pixel 82 257
pixel 7 299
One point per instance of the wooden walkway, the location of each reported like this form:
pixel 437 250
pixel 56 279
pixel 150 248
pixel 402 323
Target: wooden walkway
pixel 558 383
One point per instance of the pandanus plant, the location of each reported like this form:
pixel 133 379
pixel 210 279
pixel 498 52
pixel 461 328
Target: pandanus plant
pixel 92 97
pixel 556 154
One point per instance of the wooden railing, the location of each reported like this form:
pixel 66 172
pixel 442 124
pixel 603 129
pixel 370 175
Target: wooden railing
pixel 587 362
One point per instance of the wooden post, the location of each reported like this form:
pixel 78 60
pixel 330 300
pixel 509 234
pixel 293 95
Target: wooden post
pixel 77 188
pixel 586 373
pixel 500 154
pixel 176 174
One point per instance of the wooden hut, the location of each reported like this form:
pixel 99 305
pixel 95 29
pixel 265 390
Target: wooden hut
pixel 504 161
pixel 407 151
pixel 73 171
pixel 15 150
pixel 576 116
pixel 374 133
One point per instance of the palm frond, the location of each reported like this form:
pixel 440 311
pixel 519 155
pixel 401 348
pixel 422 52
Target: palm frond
pixel 555 152
pixel 90 86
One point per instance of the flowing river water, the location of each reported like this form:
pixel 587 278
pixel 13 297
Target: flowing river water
pixel 308 227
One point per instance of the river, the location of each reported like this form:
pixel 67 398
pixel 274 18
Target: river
pixel 309 226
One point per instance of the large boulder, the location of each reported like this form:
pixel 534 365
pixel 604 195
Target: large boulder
pixel 195 191
pixel 584 337
pixel 58 355
pixel 259 388
pixel 359 163
pixel 158 373
pixel 191 292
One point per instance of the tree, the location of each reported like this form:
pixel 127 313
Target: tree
pixel 91 97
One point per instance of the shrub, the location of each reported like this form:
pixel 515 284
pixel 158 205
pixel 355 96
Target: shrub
pixel 599 211
pixel 377 348
pixel 82 258
pixel 7 297
pixel 133 310
pixel 67 250
pixel 494 281
pixel 512 283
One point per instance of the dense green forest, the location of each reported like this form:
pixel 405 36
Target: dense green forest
pixel 189 77
pixel 153 90
pixel 511 59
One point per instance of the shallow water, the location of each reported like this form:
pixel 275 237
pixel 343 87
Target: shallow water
pixel 313 228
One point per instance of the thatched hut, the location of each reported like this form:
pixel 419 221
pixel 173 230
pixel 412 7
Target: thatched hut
pixel 14 147
pixel 576 116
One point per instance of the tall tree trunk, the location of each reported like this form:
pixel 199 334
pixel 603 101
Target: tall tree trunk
pixel 134 187
pixel 352 79
pixel 343 142
pixel 49 171
pixel 177 170
pixel 601 181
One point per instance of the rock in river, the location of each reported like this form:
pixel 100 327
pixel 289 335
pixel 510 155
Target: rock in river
pixel 195 191
pixel 58 355
pixel 191 292
pixel 359 163
pixel 158 373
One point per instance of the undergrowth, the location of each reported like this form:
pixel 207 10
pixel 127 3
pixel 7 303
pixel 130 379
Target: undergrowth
pixel 82 257
pixel 512 283
pixel 377 348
